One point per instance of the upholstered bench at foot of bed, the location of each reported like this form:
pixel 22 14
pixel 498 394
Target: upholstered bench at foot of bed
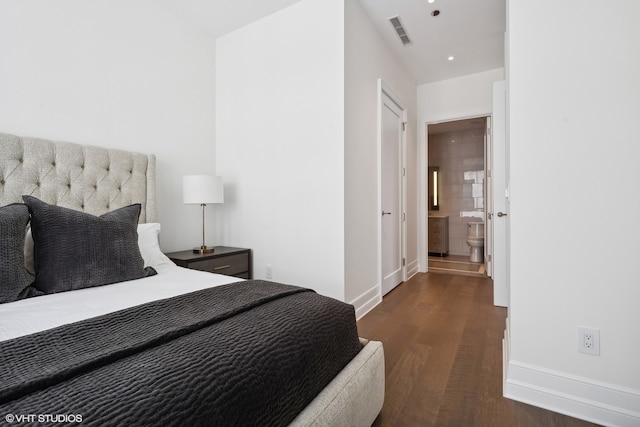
pixel 354 397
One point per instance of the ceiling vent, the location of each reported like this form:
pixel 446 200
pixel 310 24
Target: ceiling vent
pixel 402 33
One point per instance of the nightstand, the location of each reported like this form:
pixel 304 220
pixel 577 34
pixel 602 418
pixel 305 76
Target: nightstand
pixel 224 260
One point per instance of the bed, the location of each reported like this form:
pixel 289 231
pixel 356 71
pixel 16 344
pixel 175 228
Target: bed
pixel 101 329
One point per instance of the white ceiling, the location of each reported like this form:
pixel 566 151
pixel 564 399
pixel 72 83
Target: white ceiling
pixel 219 17
pixel 470 30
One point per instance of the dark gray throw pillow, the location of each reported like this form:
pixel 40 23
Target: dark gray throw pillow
pixel 75 250
pixel 14 277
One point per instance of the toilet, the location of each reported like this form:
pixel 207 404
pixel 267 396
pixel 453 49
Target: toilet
pixel 475 239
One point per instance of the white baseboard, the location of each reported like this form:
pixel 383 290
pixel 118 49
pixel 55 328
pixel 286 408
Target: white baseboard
pixel 412 269
pixel 371 298
pixel 583 398
pixel 367 301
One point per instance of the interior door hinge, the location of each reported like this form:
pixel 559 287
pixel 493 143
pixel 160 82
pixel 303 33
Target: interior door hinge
pixel 404 172
pixel 403 262
pixel 404 216
pixel 404 126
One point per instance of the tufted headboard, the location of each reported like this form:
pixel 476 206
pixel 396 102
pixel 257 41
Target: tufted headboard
pixel 81 177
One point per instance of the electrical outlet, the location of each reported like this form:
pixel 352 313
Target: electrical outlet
pixel 589 341
pixel 269 272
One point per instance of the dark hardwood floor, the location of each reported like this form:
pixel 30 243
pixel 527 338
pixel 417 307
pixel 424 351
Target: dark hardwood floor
pixel 442 341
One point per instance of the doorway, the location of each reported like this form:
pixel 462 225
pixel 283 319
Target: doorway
pixel 458 176
pixel 392 200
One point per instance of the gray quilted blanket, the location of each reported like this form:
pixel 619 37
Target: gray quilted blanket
pixel 247 353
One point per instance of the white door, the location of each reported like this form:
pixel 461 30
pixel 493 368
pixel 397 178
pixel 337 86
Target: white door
pixel 391 118
pixel 500 202
pixel 488 182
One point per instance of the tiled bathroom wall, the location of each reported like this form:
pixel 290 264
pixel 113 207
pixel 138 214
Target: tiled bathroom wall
pixel 460 157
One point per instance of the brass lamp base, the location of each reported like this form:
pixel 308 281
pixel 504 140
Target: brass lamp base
pixel 203 250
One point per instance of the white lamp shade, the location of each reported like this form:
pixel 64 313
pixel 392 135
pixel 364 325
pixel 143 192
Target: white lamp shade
pixel 199 189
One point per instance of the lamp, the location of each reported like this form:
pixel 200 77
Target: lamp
pixel 200 190
pixel 434 188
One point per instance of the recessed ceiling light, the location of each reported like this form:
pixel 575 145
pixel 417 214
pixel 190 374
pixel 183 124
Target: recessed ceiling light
pixel 451 58
pixel 431 1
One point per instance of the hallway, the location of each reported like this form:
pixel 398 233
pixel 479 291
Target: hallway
pixel 442 340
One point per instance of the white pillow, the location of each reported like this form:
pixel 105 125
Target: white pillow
pixel 149 246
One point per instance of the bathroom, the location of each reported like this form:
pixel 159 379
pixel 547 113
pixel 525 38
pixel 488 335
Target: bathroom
pixel 456 196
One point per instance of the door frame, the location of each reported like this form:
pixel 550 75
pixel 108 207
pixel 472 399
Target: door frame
pixel 423 154
pixel 488 191
pixel 384 89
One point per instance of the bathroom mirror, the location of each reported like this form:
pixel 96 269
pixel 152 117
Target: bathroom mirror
pixel 434 188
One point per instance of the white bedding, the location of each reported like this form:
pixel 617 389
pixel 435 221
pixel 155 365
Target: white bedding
pixel 37 314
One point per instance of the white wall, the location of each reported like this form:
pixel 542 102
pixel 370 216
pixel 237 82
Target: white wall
pixel 453 99
pixel 462 97
pixel 573 95
pixel 367 60
pixel 280 139
pixel 116 73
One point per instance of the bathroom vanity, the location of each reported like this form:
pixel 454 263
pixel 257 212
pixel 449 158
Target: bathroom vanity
pixel 438 235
